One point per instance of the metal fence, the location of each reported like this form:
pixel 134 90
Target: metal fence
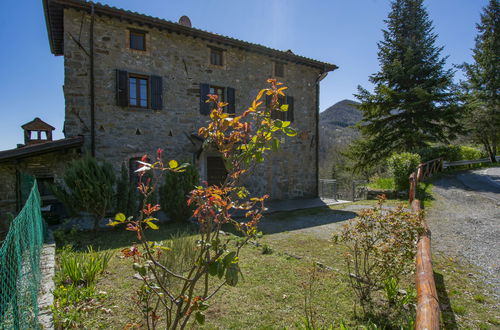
pixel 351 190
pixel 20 267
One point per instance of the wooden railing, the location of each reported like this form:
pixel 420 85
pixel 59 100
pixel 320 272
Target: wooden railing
pixel 424 171
pixel 427 298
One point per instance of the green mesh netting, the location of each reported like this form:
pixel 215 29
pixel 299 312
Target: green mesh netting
pixel 20 267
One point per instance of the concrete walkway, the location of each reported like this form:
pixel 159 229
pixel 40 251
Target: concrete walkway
pixel 300 204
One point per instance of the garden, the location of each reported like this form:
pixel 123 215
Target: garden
pixel 222 262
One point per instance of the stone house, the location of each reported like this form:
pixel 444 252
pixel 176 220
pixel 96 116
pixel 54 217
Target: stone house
pixel 134 83
pixel 39 157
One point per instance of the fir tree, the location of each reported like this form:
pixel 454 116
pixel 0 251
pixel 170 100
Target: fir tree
pixel 412 104
pixel 481 90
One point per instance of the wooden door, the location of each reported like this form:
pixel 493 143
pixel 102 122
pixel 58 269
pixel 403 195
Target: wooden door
pixel 216 171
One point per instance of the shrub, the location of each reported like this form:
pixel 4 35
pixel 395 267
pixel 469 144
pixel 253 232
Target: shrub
pixel 174 193
pixel 469 153
pixel 382 247
pixel 401 166
pixel 88 187
pixel 451 153
pixel 82 268
pixel 377 182
pixel 448 152
pixel 242 142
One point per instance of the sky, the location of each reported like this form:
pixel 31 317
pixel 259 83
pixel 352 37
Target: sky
pixel 342 32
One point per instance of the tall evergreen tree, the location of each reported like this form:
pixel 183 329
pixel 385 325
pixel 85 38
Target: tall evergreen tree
pixel 483 82
pixel 412 104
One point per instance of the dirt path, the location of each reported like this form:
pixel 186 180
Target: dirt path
pixel 465 220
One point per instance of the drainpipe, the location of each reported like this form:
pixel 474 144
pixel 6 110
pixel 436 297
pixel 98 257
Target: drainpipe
pixel 92 83
pixel 321 76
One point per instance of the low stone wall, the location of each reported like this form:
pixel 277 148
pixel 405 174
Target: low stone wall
pixel 46 295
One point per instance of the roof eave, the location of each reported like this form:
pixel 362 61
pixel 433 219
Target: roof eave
pixel 177 28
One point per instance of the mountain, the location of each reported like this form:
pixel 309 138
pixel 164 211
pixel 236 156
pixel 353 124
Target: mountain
pixel 336 131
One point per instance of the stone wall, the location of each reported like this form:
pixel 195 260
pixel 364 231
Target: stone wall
pixel 183 63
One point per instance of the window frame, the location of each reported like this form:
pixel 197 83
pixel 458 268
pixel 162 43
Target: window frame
pixel 132 32
pixel 224 97
pixel 139 77
pixel 216 51
pixel 275 66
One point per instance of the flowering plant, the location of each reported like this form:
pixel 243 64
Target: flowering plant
pixel 242 142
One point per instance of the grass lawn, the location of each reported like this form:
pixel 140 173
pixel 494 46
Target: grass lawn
pixel 271 296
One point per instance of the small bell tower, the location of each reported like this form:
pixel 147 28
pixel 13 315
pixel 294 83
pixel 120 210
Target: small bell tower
pixel 37 131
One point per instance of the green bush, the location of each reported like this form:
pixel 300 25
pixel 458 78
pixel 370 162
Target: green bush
pixel 382 183
pixel 451 153
pixel 82 268
pixel 381 247
pixel 126 197
pixel 469 153
pixel 174 191
pixel 401 166
pixel 88 187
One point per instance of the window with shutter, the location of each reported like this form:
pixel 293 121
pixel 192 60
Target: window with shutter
pixel 226 94
pixel 282 115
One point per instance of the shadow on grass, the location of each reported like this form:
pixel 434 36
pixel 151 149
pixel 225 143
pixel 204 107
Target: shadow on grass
pixel 295 220
pixel 448 316
pixel 119 237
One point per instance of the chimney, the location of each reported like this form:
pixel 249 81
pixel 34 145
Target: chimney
pixel 185 21
pixel 37 131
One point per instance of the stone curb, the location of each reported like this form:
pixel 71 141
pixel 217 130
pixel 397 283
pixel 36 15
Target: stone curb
pixel 46 294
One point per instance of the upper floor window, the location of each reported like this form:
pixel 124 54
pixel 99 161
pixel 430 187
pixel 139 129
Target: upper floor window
pixel 216 56
pixel 219 91
pixel 279 69
pixel 226 94
pixel 137 40
pixel 138 91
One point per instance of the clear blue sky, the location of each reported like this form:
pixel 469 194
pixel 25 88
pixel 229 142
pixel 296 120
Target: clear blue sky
pixel 343 32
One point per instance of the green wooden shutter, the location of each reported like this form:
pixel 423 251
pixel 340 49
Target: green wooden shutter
pixel 156 93
pixel 204 106
pixel 121 88
pixel 231 100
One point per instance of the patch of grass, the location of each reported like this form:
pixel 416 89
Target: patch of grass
pixel 458 285
pixel 271 293
pixel 459 310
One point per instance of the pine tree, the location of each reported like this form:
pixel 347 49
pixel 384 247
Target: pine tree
pixel 481 90
pixel 412 104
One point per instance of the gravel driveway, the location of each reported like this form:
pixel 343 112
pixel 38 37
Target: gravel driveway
pixel 465 220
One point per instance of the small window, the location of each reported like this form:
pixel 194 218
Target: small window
pixel 216 56
pixel 137 40
pixel 138 91
pixel 279 69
